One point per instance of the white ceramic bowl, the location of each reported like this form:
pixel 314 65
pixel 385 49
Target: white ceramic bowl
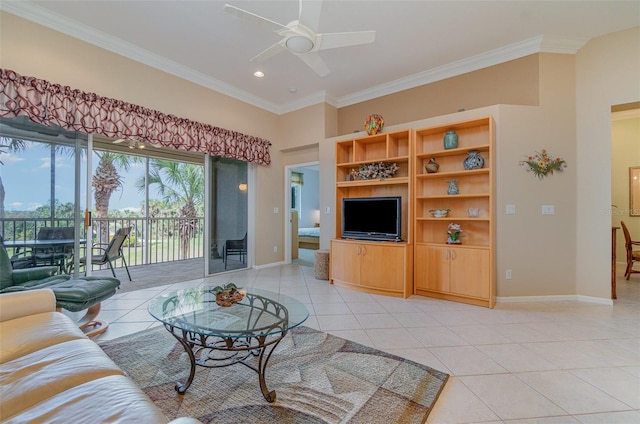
pixel 439 213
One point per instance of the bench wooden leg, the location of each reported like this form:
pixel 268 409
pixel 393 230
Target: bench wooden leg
pixel 89 325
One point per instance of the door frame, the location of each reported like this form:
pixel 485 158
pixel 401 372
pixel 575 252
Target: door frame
pixel 287 205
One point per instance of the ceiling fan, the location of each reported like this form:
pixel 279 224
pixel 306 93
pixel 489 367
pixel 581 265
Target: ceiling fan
pixel 299 37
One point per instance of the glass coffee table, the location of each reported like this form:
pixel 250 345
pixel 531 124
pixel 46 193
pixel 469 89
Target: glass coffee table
pixel 218 336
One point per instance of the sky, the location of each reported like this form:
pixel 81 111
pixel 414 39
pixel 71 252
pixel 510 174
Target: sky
pixel 26 180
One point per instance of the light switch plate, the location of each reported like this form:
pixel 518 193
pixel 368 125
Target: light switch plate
pixel 511 209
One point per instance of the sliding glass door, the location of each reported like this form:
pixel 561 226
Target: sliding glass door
pixel 228 208
pixel 42 193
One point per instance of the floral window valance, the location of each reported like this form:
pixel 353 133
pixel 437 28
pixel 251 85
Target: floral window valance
pixel 48 103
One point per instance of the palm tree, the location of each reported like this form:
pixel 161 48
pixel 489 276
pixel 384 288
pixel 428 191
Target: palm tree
pixel 183 184
pixel 106 181
pixel 8 145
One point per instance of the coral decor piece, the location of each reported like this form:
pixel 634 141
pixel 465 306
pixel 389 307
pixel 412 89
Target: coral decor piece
pixel 374 124
pixel 375 171
pixel 228 294
pixel 542 164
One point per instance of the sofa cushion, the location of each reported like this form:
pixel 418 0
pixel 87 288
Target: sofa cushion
pixel 78 294
pixel 112 399
pixel 24 335
pixel 6 269
pixel 33 378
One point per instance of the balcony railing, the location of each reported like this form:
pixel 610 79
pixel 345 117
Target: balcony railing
pixel 151 241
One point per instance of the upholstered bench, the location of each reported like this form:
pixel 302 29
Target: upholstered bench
pixel 77 294
pixel 72 294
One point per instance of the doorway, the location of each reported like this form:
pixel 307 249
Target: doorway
pixel 625 155
pixel 302 201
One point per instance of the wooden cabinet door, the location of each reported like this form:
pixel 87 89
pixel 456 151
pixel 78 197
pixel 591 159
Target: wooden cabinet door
pixel 469 272
pixel 431 268
pixel 382 267
pixel 345 261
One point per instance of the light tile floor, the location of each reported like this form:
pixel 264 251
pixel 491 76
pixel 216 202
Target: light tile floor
pixel 536 362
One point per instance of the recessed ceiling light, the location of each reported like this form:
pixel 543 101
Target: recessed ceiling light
pixel 293 90
pixel 258 74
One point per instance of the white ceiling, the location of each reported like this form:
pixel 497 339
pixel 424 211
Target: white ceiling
pixel 417 42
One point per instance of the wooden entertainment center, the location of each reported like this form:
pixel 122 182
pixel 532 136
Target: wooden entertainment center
pixel 422 263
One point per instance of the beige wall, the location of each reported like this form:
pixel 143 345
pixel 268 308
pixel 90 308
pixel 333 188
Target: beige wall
pixel 514 82
pixel 625 152
pixel 539 249
pixel 302 127
pixel 607 70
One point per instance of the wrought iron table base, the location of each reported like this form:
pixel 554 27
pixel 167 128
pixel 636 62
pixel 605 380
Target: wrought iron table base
pixel 218 352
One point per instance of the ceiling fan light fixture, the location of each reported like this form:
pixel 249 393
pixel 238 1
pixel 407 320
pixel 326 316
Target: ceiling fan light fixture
pixel 299 44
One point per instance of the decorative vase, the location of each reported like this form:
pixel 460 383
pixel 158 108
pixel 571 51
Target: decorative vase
pixel 454 239
pixel 473 161
pixel 453 187
pixel 450 140
pixel 374 124
pixel 432 166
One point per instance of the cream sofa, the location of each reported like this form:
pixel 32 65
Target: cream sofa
pixel 51 372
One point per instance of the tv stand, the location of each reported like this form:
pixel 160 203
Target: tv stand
pixel 378 267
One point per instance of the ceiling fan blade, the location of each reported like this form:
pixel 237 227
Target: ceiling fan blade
pixel 334 40
pixel 269 52
pixel 314 61
pixel 309 15
pixel 252 17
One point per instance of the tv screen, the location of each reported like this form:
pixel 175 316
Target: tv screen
pixel 373 218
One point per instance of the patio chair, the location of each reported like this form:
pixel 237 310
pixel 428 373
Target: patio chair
pixel 110 252
pixel 633 255
pixel 54 255
pixel 235 248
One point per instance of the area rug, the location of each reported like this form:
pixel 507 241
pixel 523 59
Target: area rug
pixel 318 378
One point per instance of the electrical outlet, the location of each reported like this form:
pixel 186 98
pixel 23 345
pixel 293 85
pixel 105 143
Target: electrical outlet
pixel 276 210
pixel 508 274
pixel 275 249
pixel 548 210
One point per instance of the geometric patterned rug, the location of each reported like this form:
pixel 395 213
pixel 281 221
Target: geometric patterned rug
pixel 318 378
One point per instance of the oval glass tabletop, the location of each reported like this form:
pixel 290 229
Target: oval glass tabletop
pixel 259 313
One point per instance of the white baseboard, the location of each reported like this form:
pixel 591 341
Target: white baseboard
pixel 271 265
pixel 555 298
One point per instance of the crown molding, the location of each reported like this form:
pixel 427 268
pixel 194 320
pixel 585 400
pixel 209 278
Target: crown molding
pixel 551 44
pixel 538 44
pixel 314 99
pixel 473 63
pixel 625 114
pixel 90 35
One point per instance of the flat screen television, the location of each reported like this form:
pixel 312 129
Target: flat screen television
pixel 372 218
